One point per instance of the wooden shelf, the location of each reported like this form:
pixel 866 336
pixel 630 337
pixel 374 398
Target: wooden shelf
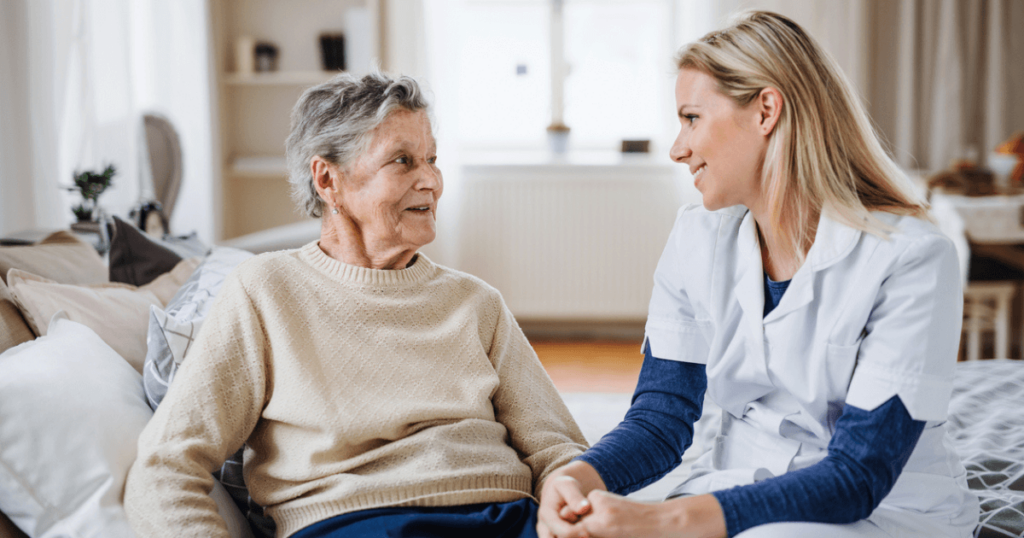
pixel 279 78
pixel 259 166
pixel 254 108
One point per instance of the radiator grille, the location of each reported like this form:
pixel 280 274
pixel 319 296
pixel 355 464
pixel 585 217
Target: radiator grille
pixel 566 246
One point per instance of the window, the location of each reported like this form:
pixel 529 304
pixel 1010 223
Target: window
pixel 503 73
pixel 618 76
pixel 619 83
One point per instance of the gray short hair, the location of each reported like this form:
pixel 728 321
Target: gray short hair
pixel 334 120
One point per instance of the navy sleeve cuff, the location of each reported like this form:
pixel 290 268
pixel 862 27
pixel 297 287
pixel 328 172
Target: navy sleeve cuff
pixel 657 429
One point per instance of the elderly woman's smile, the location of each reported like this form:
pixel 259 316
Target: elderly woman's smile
pixel 386 200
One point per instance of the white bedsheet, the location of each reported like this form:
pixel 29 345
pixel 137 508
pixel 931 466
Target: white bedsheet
pixel 599 413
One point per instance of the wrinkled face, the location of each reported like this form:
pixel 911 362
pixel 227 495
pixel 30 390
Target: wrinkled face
pixel 390 192
pixel 720 142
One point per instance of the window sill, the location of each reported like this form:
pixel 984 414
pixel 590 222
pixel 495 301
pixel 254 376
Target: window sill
pixel 576 160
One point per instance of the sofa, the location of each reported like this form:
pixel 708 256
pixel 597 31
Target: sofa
pixel 74 344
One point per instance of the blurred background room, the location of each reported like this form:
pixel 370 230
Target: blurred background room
pixel 554 119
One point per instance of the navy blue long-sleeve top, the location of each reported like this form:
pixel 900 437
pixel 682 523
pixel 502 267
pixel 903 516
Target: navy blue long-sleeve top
pixel 866 454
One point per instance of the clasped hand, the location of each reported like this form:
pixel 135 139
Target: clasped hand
pixel 570 509
pixel 565 512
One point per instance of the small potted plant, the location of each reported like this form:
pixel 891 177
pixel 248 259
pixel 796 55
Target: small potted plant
pixel 90 185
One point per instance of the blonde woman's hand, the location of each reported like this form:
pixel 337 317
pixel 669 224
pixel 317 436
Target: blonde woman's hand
pixel 563 500
pixel 614 516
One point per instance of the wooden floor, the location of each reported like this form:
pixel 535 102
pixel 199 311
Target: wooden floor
pixel 602 366
pixel 591 366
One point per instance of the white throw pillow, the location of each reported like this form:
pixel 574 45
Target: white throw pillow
pixel 71 411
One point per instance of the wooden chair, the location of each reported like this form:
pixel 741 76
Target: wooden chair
pixel 987 305
pixel 987 309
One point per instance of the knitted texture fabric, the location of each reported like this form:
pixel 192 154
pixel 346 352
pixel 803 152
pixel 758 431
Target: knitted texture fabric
pixel 351 388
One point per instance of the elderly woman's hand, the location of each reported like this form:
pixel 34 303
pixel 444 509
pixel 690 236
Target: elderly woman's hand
pixel 563 500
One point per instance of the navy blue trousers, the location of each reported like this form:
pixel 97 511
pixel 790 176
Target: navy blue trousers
pixel 506 520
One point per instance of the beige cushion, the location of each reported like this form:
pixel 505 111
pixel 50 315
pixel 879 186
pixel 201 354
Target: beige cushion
pixel 167 284
pixel 13 329
pixel 118 313
pixel 61 257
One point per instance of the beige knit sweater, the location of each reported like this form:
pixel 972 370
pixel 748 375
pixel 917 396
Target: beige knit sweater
pixel 352 388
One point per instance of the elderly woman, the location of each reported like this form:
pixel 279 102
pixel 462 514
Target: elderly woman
pixel 376 392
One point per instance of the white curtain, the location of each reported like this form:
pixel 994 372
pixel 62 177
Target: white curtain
pixel 173 76
pixel 75 76
pixel 943 77
pixel 35 59
pixel 67 106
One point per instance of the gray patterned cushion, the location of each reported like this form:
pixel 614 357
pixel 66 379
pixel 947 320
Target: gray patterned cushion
pixel 172 330
pixel 171 333
pixel 186 246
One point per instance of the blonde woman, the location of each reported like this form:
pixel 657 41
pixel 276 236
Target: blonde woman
pixel 810 298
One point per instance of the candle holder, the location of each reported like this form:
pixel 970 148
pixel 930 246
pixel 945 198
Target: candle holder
pixel 332 51
pixel 558 138
pixel 266 57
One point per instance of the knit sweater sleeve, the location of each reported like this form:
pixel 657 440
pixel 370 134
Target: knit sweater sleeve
pixel 540 427
pixel 209 411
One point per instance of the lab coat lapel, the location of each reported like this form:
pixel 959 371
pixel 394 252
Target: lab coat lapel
pixel 738 367
pixel 750 275
pixel 745 365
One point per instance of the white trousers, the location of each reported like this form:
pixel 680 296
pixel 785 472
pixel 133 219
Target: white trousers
pixel 860 529
pixel 884 522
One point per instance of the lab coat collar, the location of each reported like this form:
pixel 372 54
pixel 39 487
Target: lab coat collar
pixel 833 241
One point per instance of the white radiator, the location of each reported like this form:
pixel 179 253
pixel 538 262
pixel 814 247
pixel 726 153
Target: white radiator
pixel 568 242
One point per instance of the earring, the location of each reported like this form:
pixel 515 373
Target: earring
pixel 334 211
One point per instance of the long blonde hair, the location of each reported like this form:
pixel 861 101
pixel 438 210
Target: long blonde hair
pixel 823 152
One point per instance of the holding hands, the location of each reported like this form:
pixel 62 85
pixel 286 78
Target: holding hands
pixel 575 504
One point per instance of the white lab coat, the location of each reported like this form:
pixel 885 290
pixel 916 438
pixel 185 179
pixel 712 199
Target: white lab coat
pixel 863 319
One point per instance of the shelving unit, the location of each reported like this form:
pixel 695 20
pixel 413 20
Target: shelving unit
pixel 258 166
pixel 278 78
pixel 255 108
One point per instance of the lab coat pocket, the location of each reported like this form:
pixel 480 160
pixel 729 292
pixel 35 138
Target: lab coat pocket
pixel 840 361
pixel 707 330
